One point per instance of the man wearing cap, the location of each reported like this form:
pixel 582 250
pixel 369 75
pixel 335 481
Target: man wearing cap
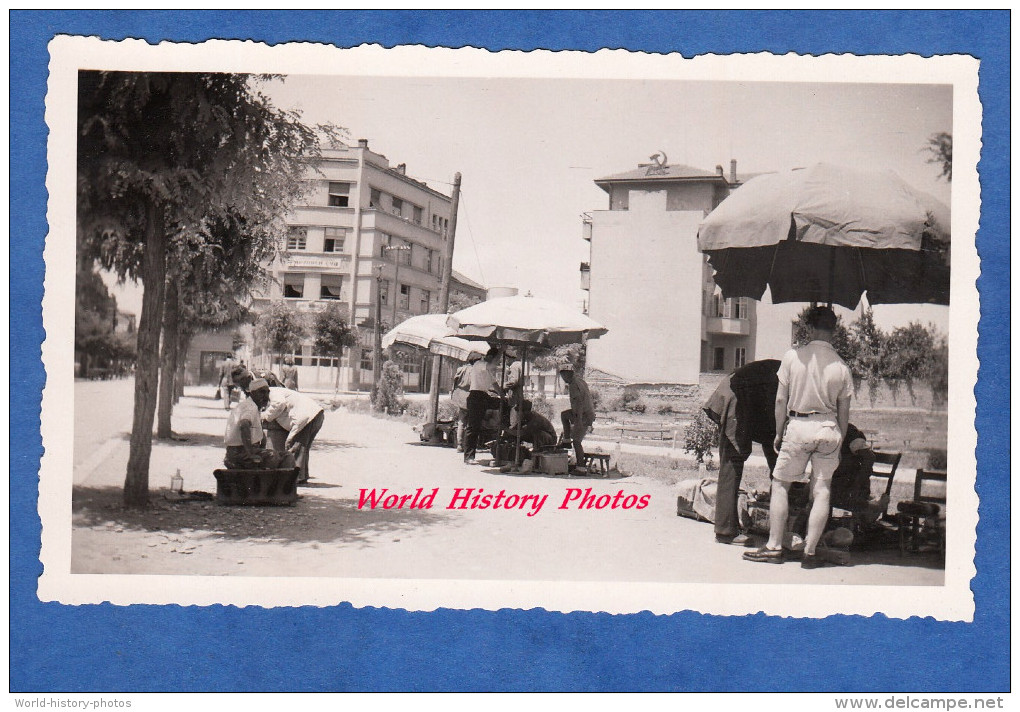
pixel 298 414
pixel 483 381
pixel 812 415
pixel 244 438
pixel 579 418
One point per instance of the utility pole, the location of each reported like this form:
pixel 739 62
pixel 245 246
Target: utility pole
pixel 444 299
pixel 377 332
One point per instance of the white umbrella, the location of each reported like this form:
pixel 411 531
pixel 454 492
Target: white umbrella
pixel 429 331
pixel 524 321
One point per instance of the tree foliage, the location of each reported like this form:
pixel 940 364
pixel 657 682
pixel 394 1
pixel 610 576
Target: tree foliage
pixel 281 327
pixel 186 175
pixel 389 396
pixel 940 152
pixel 333 334
pixel 906 356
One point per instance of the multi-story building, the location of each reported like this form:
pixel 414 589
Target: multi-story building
pixel 651 287
pixel 366 234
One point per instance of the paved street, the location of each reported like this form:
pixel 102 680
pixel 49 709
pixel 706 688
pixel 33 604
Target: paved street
pixel 326 534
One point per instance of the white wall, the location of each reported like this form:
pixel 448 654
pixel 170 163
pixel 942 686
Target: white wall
pixel 646 275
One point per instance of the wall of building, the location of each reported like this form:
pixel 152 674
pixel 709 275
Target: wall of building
pixel 653 332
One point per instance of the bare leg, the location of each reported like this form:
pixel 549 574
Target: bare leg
pixel 820 511
pixel 779 510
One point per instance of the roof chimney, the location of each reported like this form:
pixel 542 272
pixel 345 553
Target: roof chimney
pixel 362 143
pixel 402 169
pixel 733 170
pixel 719 170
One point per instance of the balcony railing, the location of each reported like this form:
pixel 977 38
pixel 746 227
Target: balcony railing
pixel 724 325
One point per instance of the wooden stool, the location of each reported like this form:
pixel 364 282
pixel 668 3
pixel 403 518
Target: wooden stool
pixel 597 461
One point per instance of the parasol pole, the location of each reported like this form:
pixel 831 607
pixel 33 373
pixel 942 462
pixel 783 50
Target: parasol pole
pixel 502 401
pixel 832 273
pixel 520 406
pixel 444 299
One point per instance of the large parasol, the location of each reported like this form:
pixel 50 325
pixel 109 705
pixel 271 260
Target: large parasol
pixel 430 332
pixel 525 322
pixel 830 234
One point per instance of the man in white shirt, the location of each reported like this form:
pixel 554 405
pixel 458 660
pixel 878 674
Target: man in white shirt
pixel 244 437
pixel 298 414
pixel 483 380
pixel 812 414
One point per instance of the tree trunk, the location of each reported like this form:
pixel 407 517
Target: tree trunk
pixel 339 358
pixel 183 345
pixel 168 361
pixel 136 482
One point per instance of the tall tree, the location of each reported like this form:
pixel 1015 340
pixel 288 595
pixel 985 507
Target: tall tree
pixel 333 334
pixel 940 152
pixel 160 157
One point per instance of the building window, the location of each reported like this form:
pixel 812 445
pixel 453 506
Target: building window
pixel 294 285
pixel 334 240
pixel 416 214
pixel 330 286
pixel 434 219
pixel 717 305
pixel 297 238
pixel 446 226
pixel 384 292
pixel 339 194
pixel 366 360
pixel 425 299
pixel 405 297
pixel 742 308
pixel 397 206
pixel 428 261
pixel 718 358
pixel 739 357
pixel 374 198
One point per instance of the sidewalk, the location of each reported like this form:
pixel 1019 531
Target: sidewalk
pixel 326 534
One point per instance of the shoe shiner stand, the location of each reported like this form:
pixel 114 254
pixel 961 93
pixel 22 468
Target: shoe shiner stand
pixel 524 323
pixel 256 487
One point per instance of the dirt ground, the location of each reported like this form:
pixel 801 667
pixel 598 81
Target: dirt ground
pixel 326 534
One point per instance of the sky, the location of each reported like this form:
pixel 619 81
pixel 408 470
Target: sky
pixel 530 149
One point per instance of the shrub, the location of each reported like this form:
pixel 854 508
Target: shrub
pixel 629 397
pixel 664 407
pixel 638 406
pixel 389 397
pixel 700 437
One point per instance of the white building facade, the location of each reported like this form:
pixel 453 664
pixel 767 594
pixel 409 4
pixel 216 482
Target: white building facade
pixel 652 288
pixel 366 234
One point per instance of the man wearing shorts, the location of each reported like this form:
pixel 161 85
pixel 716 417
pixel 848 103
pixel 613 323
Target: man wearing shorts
pixel 812 414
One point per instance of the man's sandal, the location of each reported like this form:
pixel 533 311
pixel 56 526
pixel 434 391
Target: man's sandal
pixel 765 555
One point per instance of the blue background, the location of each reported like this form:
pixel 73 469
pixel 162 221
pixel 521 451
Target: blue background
pixel 137 648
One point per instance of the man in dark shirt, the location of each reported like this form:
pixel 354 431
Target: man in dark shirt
pixel 743 406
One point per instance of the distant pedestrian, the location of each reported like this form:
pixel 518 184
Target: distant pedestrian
pixel 226 381
pixel 581 415
pixel 300 415
pixel 812 415
pixel 289 373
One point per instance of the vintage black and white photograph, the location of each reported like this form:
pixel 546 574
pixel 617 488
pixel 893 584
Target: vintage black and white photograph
pixel 420 328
